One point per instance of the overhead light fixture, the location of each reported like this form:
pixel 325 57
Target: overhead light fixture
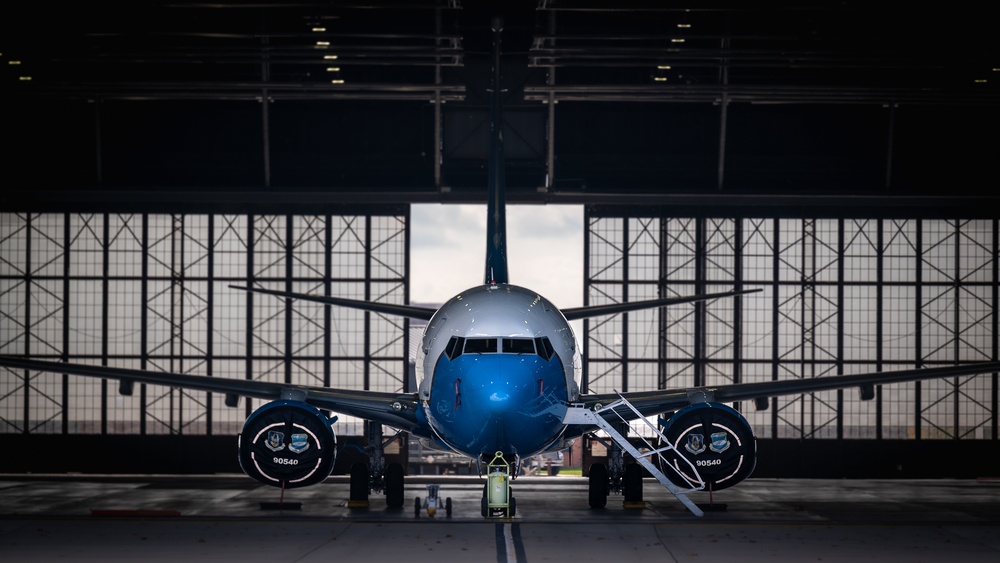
pixel 684 26
pixel 677 40
pixel 319 30
pixel 24 78
pixel 659 78
pixel 329 57
pixel 333 69
pixel 981 81
pixel 663 67
pixel 322 44
pixel 13 62
pixel 337 81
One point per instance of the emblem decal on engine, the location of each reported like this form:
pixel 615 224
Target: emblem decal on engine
pixel 275 441
pixel 695 443
pixel 300 443
pixel 720 442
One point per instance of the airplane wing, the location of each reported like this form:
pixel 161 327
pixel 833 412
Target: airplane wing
pixel 651 403
pixel 398 410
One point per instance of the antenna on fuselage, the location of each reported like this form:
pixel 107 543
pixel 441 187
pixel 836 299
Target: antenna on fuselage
pixel 496 221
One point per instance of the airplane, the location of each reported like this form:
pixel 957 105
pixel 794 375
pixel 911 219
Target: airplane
pixel 497 369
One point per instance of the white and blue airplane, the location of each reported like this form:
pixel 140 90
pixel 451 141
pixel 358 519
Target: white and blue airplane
pixel 497 375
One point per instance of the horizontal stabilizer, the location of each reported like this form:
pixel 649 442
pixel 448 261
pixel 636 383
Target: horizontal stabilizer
pixel 615 308
pixel 409 311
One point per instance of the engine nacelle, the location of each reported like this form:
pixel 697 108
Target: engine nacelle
pixel 716 439
pixel 287 444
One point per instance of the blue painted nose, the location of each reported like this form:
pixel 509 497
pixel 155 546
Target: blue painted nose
pixel 490 402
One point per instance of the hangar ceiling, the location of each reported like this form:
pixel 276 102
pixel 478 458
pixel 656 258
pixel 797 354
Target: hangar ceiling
pixel 704 105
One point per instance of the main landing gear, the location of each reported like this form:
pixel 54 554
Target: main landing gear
pixel 376 476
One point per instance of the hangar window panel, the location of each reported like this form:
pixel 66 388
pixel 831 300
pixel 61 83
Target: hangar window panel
pixel 758 250
pixel 789 329
pixel 229 312
pixel 125 304
pixel 86 327
pixel 758 335
pixel 308 321
pixel 605 377
pixel 760 420
pixel 386 376
pixel 348 247
pixel 268 323
pixel 823 247
pixel 269 250
pixel 679 325
pixel 789 252
pixel 388 247
pixel 860 418
pixel 308 371
pixel 899 334
pixel 12 389
pixel 125 246
pixel 308 247
pixel 720 249
pixel 642 326
pixel 123 412
pixel 899 252
pixel 605 249
pixel 13 243
pixel 861 251
pixel 230 247
pixel 347 337
pixel 48 246
pixel 83 404
pixel 680 243
pixel 643 249
pixel 86 246
pixel 720 326
pixel 46 395
pixel 939 251
pixel 228 420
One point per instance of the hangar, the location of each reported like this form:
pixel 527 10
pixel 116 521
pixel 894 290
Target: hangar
pixel 839 156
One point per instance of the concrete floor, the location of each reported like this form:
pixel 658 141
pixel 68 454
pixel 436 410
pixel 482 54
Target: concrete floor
pixel 168 518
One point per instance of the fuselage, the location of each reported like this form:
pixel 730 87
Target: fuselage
pixel 498 367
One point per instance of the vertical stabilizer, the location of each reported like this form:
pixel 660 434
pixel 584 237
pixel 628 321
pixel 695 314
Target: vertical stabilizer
pixel 496 222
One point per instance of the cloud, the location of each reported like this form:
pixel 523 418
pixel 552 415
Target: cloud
pixel 544 245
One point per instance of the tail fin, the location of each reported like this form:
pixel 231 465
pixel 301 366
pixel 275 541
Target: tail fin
pixel 496 222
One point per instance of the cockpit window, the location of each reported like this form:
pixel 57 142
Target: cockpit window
pixel 518 346
pixel 481 346
pixel 454 347
pixel 457 346
pixel 545 349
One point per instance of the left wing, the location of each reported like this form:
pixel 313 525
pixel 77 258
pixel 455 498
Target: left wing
pixel 398 410
pixel 651 403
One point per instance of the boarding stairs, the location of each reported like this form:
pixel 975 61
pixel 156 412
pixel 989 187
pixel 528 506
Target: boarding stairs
pixel 579 414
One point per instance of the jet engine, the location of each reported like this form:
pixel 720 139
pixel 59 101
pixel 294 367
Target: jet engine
pixel 287 444
pixel 716 440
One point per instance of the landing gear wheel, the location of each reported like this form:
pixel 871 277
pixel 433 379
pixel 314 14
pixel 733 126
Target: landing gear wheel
pixel 447 506
pixel 633 483
pixel 416 507
pixel 394 485
pixel 512 507
pixel 359 482
pixel 485 504
pixel 598 490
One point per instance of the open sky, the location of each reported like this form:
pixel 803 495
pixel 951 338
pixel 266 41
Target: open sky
pixel 544 246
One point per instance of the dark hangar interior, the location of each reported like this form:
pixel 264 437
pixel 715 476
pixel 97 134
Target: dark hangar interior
pixel 841 154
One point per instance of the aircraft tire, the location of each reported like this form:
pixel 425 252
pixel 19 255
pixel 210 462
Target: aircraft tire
pixel 633 483
pixel 485 503
pixel 447 506
pixel 416 507
pixel 359 482
pixel 394 485
pixel 598 489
